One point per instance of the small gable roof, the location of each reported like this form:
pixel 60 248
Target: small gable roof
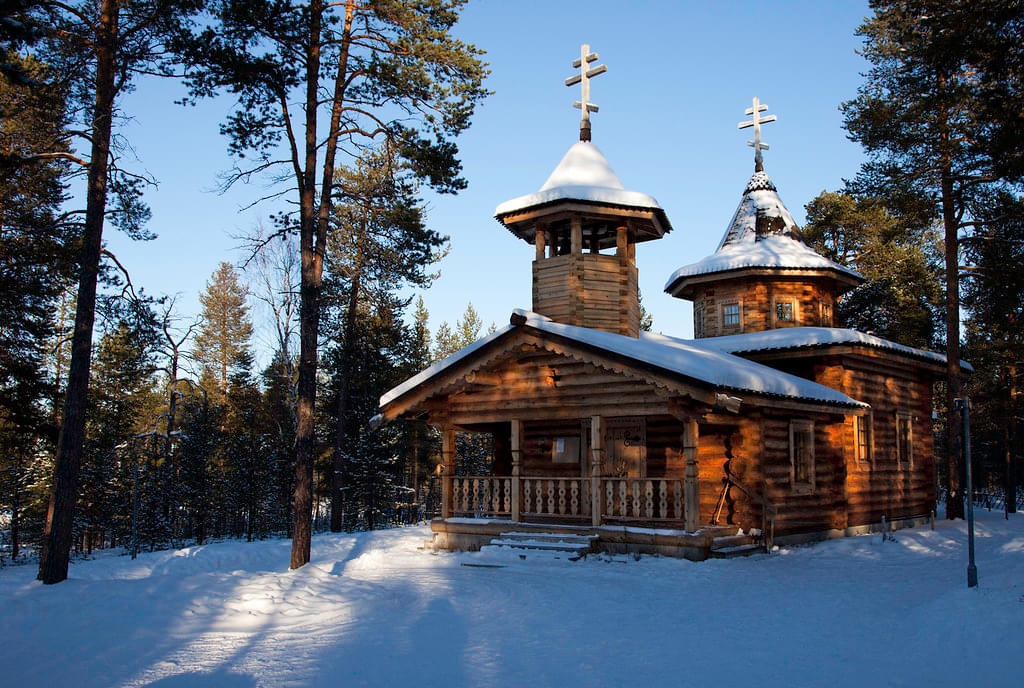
pixel 707 365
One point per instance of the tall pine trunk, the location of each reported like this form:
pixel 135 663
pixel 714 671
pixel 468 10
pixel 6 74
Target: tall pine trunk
pixel 954 386
pixel 1009 435
pixel 57 540
pixel 312 239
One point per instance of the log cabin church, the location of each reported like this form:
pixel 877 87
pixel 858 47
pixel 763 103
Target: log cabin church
pixel 771 425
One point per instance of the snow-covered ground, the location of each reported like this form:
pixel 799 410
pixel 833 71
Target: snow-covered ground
pixel 373 610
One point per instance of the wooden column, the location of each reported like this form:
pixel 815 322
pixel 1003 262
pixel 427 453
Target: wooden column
pixel 691 488
pixel 577 236
pixel 540 240
pixel 517 453
pixel 621 242
pixel 596 459
pixel 447 470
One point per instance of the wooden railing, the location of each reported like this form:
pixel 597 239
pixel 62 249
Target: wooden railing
pixel 481 494
pixel 642 499
pixel 621 499
pixel 555 497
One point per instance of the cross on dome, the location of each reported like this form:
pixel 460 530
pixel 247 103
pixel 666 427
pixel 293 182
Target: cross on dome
pixel 583 78
pixel 756 121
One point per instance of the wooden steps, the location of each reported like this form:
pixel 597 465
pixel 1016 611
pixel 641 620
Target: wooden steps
pixel 515 545
pixel 730 546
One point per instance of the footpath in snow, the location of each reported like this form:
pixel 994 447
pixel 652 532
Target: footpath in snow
pixel 372 610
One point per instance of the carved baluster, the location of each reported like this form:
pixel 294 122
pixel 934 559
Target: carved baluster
pixel 663 499
pixel 561 497
pixel 465 494
pixel 574 498
pixel 476 494
pixel 636 499
pixel 551 497
pixel 538 488
pixel 528 496
pixel 623 499
pixel 609 502
pixel 585 495
pixel 677 488
pixel 649 498
pixel 508 494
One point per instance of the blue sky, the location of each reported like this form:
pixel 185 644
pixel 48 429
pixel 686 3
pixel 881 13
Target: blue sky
pixel 679 76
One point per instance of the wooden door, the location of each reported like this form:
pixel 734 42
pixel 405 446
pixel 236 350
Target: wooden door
pixel 625 448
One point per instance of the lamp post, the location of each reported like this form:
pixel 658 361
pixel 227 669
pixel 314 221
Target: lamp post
pixel 964 405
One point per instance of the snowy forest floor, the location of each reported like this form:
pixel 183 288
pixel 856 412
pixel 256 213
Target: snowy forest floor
pixel 371 609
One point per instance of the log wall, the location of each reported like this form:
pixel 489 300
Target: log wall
pixel 757 298
pixel 588 290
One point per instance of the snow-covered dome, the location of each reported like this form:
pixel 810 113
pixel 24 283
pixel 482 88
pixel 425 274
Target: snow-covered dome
pixel 583 175
pixel 762 234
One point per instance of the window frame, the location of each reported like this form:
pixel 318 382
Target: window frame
pixel 698 320
pixel 828 321
pixel 864 452
pixel 801 426
pixel 738 325
pixel 908 460
pixel 793 307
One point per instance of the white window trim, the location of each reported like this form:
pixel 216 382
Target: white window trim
pixel 796 311
pixel 721 315
pixel 808 487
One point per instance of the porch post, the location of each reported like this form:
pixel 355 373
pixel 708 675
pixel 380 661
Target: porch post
pixel 517 453
pixel 447 470
pixel 540 240
pixel 691 488
pixel 596 457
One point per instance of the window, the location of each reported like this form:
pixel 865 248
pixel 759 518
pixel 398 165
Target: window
pixel 864 437
pixel 698 320
pixel 826 315
pixel 784 311
pixel 904 439
pixel 801 455
pixel 731 315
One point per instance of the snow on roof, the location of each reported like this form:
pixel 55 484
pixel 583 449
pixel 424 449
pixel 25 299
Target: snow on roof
pixel 583 175
pixel 777 245
pixel 803 337
pixel 705 364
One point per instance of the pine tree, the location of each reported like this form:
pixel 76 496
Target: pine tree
pixel 223 339
pixel 98 47
pixel 393 72
pixel 467 330
pixel 919 117
pixel 901 298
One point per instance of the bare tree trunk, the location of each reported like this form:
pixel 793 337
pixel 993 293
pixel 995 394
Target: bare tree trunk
pixel 57 538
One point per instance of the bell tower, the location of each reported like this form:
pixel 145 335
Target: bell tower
pixel 585 226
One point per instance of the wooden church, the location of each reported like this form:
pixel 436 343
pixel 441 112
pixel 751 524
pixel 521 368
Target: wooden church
pixel 770 425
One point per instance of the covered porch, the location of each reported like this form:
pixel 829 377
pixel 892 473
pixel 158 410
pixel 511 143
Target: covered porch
pixel 599 475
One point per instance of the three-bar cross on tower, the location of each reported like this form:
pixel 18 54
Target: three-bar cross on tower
pixel 583 78
pixel 756 121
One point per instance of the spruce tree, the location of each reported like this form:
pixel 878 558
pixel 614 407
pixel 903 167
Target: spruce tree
pixel 222 342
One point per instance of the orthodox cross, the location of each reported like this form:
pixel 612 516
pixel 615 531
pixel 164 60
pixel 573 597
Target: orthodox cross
pixel 756 121
pixel 584 77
